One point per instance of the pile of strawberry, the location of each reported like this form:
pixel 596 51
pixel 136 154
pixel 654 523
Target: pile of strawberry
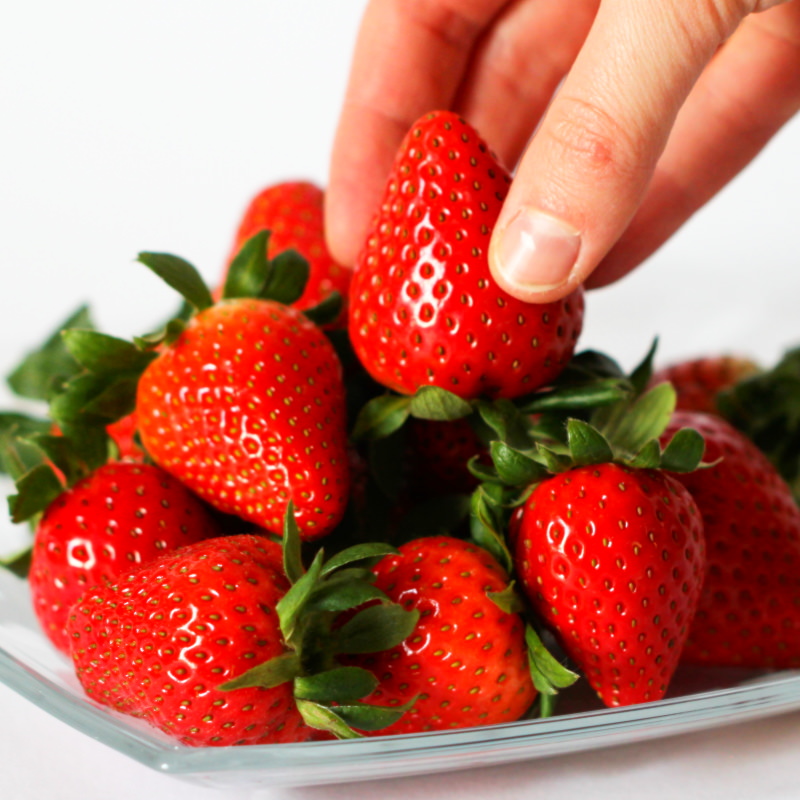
pixel 321 503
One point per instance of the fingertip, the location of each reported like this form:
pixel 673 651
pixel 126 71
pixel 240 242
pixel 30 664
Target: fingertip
pixel 533 256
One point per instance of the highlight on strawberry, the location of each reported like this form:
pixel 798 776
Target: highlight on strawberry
pixel 424 514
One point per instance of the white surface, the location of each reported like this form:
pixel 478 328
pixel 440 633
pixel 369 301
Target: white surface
pixel 148 126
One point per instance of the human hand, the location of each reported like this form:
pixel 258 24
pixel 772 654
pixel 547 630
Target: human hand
pixel 662 103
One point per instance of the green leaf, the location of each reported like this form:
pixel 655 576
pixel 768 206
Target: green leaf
pixel 483 472
pixel 181 276
pixel 577 398
pixel 649 457
pixel 381 416
pixel 292 547
pixel 507 421
pixel 338 685
pixel 17 456
pixel 376 628
pixel 18 564
pixel 684 451
pixel 547 673
pixel 515 468
pixel 487 525
pixel 272 673
pixel 433 403
pixel 166 335
pixel 35 491
pixel 323 718
pixel 248 271
pixel 287 278
pixel 99 352
pixel 342 595
pixel 360 552
pixel 507 600
pixel 50 365
pixel 367 717
pixel 327 311
pixel 640 377
pixel 587 445
pixel 290 606
pixel 645 419
pixel 115 401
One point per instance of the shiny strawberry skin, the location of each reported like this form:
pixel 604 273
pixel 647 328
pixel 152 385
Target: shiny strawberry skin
pixel 749 611
pixel 424 309
pixel 698 381
pixel 612 559
pixel 160 642
pixel 247 409
pixel 293 213
pixel 466 659
pixel 121 516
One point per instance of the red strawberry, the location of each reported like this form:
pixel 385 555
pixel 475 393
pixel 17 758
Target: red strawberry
pixel 120 516
pixel 698 381
pixel 749 611
pixel 439 454
pixel 612 558
pixel 466 660
pixel 292 212
pixel 424 308
pixel 160 643
pixel 123 433
pixel 247 409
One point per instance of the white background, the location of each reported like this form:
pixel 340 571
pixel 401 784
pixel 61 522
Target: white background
pixel 148 126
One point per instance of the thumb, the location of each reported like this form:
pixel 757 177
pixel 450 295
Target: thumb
pixel 587 168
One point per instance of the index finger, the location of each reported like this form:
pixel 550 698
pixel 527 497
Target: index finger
pixel 410 57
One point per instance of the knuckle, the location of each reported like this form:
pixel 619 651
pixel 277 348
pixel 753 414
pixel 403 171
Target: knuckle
pixel 588 138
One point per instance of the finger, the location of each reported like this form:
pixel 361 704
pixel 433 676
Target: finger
pixel 409 59
pixel 586 170
pixel 517 67
pixel 750 89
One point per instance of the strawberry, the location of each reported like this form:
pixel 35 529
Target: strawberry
pixel 424 309
pixel 120 516
pixel 232 641
pixel 465 662
pixel 439 454
pixel 749 610
pixel 607 545
pixel 243 402
pixel 698 382
pixel 612 559
pixel 246 408
pixel 292 213
pixel 182 626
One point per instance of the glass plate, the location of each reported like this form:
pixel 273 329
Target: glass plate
pixel 698 699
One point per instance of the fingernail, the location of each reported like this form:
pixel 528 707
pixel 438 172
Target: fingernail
pixel 536 252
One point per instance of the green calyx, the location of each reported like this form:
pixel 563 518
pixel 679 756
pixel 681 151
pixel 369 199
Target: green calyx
pixel 329 694
pixel 45 456
pixel 766 408
pixel 251 273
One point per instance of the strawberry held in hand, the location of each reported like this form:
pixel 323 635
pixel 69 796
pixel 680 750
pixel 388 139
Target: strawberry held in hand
pixel 424 309
pixel 292 213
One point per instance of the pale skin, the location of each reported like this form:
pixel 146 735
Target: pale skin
pixel 642 111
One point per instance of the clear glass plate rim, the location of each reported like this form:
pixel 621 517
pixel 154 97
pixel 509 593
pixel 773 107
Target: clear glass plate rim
pixel 775 694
